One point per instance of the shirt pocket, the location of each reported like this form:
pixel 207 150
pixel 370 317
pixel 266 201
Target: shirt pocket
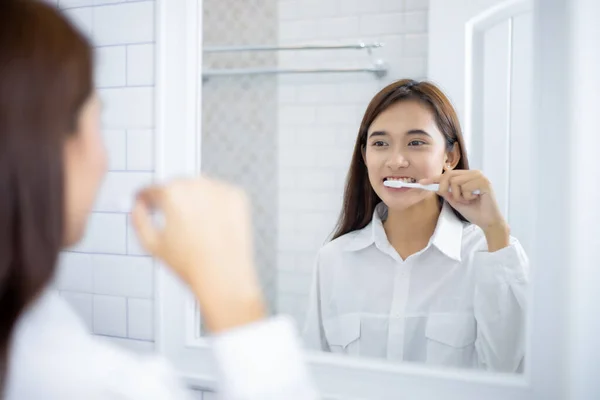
pixel 343 333
pixel 451 339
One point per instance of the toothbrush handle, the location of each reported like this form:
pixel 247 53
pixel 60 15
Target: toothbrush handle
pixel 436 187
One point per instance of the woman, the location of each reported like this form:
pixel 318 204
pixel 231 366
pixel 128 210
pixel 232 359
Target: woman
pixel 414 275
pixel 51 163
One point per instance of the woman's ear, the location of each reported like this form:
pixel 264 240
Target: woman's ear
pixel 452 157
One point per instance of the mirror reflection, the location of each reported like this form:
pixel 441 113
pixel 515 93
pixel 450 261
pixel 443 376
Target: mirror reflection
pixel 413 274
pixel 391 199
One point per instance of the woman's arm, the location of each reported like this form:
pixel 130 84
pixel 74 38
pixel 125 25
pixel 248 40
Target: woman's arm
pixel 257 361
pixel 501 270
pixel 206 239
pixel 262 361
pixel 501 284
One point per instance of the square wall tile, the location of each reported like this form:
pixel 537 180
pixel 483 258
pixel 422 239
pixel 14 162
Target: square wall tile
pixel 119 189
pixel 74 272
pixel 140 65
pixel 128 108
pixel 140 319
pixel 110 315
pixel 105 233
pixel 125 23
pixel 127 276
pixel 140 150
pixel 111 67
pixel 115 141
pixel 81 304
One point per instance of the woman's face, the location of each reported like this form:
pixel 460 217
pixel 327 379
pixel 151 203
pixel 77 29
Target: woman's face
pixel 85 166
pixel 404 142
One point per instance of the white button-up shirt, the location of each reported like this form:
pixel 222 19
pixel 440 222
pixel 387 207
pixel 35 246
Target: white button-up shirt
pixel 451 304
pixel 53 357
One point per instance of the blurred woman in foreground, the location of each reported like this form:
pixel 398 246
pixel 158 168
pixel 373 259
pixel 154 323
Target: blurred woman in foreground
pixel 52 161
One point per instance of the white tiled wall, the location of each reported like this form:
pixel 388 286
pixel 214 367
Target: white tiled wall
pixel 319 116
pixel 107 277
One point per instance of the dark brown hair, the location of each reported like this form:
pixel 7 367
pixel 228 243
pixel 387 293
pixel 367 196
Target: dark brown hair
pixel 359 197
pixel 45 78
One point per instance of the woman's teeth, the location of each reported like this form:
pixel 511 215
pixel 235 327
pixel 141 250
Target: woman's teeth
pixel 408 180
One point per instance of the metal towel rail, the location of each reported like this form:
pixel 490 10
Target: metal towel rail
pixel 356 46
pixel 379 69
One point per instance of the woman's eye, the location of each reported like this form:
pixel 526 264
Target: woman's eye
pixel 416 143
pixel 379 143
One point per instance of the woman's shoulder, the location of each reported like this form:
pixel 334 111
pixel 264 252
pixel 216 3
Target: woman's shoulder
pixel 336 250
pixel 54 356
pixel 48 351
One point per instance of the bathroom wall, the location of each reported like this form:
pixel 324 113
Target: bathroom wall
pixel 107 278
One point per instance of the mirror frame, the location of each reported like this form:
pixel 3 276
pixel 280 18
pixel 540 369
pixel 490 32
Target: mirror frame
pixel 178 98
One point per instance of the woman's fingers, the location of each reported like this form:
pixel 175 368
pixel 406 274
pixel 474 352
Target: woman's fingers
pixel 207 240
pixel 444 183
pixel 455 188
pixel 469 187
pixel 480 185
pixel 145 228
pixel 461 181
pixel 459 185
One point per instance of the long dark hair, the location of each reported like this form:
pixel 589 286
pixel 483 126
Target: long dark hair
pixel 45 78
pixel 359 197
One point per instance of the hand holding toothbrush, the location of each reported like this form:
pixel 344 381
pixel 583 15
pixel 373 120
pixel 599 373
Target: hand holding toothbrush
pixel 206 238
pixel 470 193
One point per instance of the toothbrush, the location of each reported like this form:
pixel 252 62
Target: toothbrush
pixel 434 187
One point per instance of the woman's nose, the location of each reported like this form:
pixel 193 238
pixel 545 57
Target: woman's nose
pixel 397 160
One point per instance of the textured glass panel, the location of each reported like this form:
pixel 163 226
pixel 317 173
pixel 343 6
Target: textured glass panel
pixel 239 118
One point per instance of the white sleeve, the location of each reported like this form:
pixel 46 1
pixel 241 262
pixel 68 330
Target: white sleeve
pixel 501 286
pixel 53 357
pixel 262 361
pixel 141 378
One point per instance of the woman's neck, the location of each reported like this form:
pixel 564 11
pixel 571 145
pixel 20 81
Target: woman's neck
pixel 409 230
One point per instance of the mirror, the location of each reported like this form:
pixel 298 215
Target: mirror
pixel 410 277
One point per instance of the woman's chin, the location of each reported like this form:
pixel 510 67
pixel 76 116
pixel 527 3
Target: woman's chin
pixel 402 200
pixel 398 204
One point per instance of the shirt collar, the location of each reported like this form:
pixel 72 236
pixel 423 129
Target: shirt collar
pixel 448 233
pixel 447 236
pixel 365 237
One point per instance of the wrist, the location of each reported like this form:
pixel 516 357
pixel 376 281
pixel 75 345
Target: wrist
pixel 227 302
pixel 223 314
pixel 497 236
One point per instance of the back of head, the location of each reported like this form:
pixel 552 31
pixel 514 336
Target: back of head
pixel 45 77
